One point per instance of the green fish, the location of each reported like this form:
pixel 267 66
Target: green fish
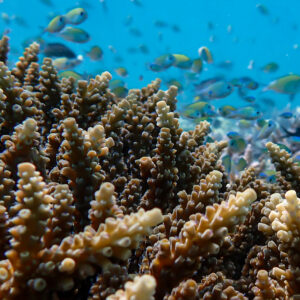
pixel 270 67
pixel 56 24
pixel 76 16
pixel 64 63
pixel 176 83
pixel 289 84
pixel 237 145
pixel 121 71
pixel 182 61
pixel 241 164
pixel 227 163
pixel 197 65
pixel 75 35
pixel 95 53
pixel 120 91
pixel 205 54
pixel 247 112
pixel 225 110
pixel 244 124
pixel 68 74
pixel 116 83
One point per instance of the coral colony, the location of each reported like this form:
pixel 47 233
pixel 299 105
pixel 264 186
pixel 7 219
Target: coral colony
pixel 108 198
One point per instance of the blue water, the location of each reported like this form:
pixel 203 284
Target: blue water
pixel 254 36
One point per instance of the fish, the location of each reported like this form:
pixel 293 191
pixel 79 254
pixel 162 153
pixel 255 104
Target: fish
pixel 176 83
pixel 195 109
pixel 233 135
pixel 226 65
pixel 226 160
pixel 197 65
pixel 176 28
pixel 95 53
pixel 182 61
pixel 245 82
pixel 20 21
pixel 247 112
pixel 225 110
pixel 295 133
pixel 144 49
pixel 121 71
pixel 47 2
pixel 241 164
pixel 262 9
pixel 75 35
pixel 68 74
pixel 128 20
pixel 76 16
pixel 244 124
pixel 160 24
pixel 63 63
pixel 216 90
pixel 286 115
pixel 135 31
pixel 56 24
pixel 137 3
pixel 58 50
pixel 115 83
pixel 289 84
pixel 120 91
pixel 270 67
pixel 237 145
pixel 162 62
pixel 266 130
pixel 205 54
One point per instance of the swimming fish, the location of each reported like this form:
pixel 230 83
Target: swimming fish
pixel 58 50
pixel 56 24
pixel 289 84
pixel 247 112
pixel 162 62
pixel 121 71
pixel 286 115
pixel 175 82
pixel 63 63
pixel 266 130
pixel 160 24
pixel 270 67
pixel 237 145
pixel 75 35
pixel 233 135
pixel 241 164
pixel 95 53
pixel 115 83
pixel 144 49
pixel 76 16
pixel 245 82
pixel 182 61
pixel 225 110
pixel 262 9
pixel 135 31
pixel 197 65
pixel 226 160
pixel 216 90
pixel 68 74
pixel 195 109
pixel 205 54
pixel 120 91
pixel 244 124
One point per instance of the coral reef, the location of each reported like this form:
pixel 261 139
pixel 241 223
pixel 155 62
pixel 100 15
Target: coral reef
pixel 108 198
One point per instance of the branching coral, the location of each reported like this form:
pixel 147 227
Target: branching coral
pixel 106 197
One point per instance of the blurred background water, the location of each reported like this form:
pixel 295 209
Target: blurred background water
pixel 234 30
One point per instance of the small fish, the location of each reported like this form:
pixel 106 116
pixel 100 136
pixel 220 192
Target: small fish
pixel 284 147
pixel 217 90
pixel 245 82
pixel 261 122
pixel 226 160
pixel 76 16
pixel 262 9
pixel 63 63
pixel 75 35
pixel 233 135
pixel 121 71
pixel 120 91
pixel 195 109
pixel 47 2
pixel 58 50
pixel 225 110
pixel 249 99
pixel 56 24
pixel 6 18
pixel 175 28
pixel 144 49
pixel 295 133
pixel 286 115
pixel 244 124
pixel 241 164
pixel 95 53
pixel 115 83
pixel 247 112
pixel 181 61
pixel 68 74
pixel 162 62
pixel 160 24
pixel 237 145
pixel 197 65
pixel 137 3
pixel 155 67
pixel 270 67
pixel 266 130
pixel 289 84
pixel 112 48
pixel 128 20
pixel 176 83
pixel 135 31
pixel 205 54
pixel 20 21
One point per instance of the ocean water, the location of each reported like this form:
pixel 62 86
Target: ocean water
pixel 262 38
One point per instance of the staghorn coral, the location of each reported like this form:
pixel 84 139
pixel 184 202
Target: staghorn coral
pixel 108 197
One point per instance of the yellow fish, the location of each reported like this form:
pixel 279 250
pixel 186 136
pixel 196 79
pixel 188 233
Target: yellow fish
pixel 76 16
pixel 205 54
pixel 56 24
